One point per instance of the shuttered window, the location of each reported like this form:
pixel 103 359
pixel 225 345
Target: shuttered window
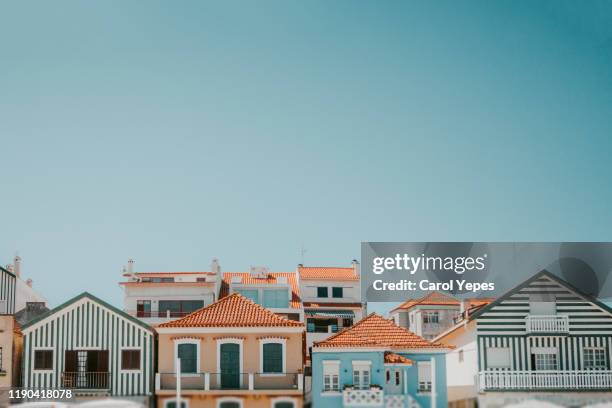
pixel 130 359
pixel 188 353
pixel 43 359
pixel 273 358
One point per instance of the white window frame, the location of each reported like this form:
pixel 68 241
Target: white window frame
pixel 592 350
pixel 361 366
pixel 40 348
pixel 169 400
pixel 186 341
pixel 128 371
pixel 221 400
pixel 230 340
pixel 334 365
pixel 499 365
pixel 276 400
pixel 276 340
pixel 426 364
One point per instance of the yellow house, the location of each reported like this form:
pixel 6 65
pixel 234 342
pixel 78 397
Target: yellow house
pixel 233 354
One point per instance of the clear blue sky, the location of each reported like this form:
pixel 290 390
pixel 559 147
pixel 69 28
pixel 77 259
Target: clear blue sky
pixel 177 132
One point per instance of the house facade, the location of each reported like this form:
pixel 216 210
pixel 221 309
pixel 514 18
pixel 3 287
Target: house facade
pixel 157 297
pixel 233 354
pixel 278 292
pixel 432 314
pixel 90 347
pixel 544 339
pixel 331 298
pixel 9 332
pixel 376 363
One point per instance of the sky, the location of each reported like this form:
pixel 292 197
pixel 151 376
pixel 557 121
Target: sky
pixel 172 133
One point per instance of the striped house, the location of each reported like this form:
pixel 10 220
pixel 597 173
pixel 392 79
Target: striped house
pixel 544 336
pixel 90 347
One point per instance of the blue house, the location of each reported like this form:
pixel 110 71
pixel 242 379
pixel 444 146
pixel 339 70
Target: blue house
pixel 376 363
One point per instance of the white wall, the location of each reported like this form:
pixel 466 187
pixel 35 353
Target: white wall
pixel 351 291
pixel 461 376
pixel 25 294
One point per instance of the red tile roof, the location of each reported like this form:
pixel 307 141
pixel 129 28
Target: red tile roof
pixel 271 279
pixel 327 273
pixel 232 311
pixel 431 299
pixel 376 331
pixel 392 358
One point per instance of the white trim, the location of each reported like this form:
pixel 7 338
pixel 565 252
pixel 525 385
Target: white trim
pixel 229 399
pixel 270 340
pixel 130 371
pixel 273 401
pixel 230 340
pixel 240 330
pixel 33 361
pixel 183 401
pixel 187 341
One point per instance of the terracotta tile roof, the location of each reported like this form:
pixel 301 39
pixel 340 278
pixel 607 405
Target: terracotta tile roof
pixel 232 311
pixel 272 278
pixel 327 273
pixel 392 358
pixel 333 304
pixel 431 299
pixel 376 331
pixel 168 273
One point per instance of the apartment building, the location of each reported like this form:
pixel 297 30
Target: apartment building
pixel 332 299
pixel 157 297
pixel 376 363
pixel 233 354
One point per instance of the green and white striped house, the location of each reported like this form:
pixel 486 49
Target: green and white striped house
pixel 90 347
pixel 544 335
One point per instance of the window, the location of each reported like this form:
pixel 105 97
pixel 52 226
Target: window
pixel 347 322
pixel 230 404
pixel 431 317
pixel 498 357
pixel 273 358
pixel 322 292
pixel 143 308
pixel 544 361
pixel 321 325
pixel 179 308
pixel 252 294
pixel 276 298
pixel 397 378
pixel 337 292
pixel 200 279
pixel 424 374
pixel 172 404
pixel 388 375
pixel 594 358
pixel 284 404
pixel 188 353
pixel 361 375
pixel 130 359
pixel 43 359
pixel 331 373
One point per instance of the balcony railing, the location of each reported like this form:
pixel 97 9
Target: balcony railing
pixel 545 380
pixel 167 314
pixel 230 381
pixel 86 380
pixel 547 324
pixel 371 397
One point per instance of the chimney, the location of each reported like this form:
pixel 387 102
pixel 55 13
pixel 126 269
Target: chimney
pixel 17 266
pixel 29 282
pixel 355 264
pixel 465 308
pixel 130 266
pixel 215 267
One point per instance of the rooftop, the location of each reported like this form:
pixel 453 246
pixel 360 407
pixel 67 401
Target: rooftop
pixel 271 278
pixel 327 273
pixel 439 299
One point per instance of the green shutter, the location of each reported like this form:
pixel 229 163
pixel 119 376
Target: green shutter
pixel 273 358
pixel 188 353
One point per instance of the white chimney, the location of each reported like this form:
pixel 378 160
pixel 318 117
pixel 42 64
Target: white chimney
pixel 130 266
pixel 355 264
pixel 215 267
pixel 17 266
pixel 29 282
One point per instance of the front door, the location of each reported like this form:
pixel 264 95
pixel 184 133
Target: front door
pixel 230 366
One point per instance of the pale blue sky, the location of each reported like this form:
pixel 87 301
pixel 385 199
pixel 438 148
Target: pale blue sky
pixel 177 132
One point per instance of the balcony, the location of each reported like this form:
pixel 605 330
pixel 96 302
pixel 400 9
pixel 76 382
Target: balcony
pixel 541 324
pixel 545 380
pixel 370 397
pixel 230 381
pixel 89 381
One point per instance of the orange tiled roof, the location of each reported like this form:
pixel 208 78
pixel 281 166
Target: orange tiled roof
pixel 232 311
pixel 441 299
pixel 327 273
pixel 168 273
pixel 392 358
pixel 376 331
pixel 271 278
